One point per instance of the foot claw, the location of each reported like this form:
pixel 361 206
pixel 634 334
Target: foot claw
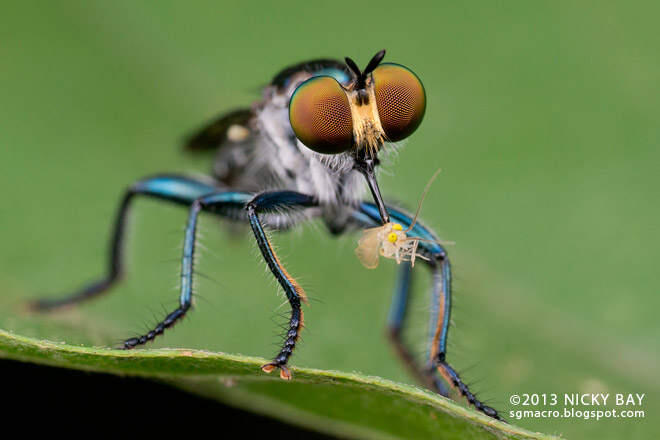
pixel 268 368
pixel 285 374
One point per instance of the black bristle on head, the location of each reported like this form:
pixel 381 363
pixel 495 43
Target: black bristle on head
pixel 360 75
pixel 375 61
pixel 351 65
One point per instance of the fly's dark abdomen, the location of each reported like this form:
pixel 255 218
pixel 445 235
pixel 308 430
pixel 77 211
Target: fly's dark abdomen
pixel 215 133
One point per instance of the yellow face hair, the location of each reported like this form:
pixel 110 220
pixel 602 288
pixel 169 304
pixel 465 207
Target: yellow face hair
pixel 367 129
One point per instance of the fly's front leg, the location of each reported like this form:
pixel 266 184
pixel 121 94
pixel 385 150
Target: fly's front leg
pixel 171 188
pixel 395 325
pixel 368 215
pixel 276 202
pixel 438 347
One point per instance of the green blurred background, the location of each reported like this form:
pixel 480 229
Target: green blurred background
pixel 543 116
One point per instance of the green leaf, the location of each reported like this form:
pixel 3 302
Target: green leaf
pixel 335 402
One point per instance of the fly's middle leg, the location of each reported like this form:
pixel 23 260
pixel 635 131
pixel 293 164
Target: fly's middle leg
pixel 277 202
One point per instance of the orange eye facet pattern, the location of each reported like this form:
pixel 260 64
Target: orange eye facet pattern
pixel 320 115
pixel 400 98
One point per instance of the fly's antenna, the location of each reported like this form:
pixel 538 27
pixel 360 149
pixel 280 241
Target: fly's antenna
pixel 421 201
pixel 354 68
pixel 362 75
pixel 375 61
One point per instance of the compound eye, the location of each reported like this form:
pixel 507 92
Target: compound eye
pixel 320 115
pixel 400 98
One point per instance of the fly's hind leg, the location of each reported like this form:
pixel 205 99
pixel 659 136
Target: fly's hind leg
pixel 367 215
pixel 176 189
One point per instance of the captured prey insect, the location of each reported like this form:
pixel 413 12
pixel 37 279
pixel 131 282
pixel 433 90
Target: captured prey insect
pixel 391 241
pixel 305 151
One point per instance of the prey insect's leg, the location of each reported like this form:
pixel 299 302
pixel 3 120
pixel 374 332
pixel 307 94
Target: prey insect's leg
pixel 176 189
pixel 368 215
pixel 275 202
pixel 227 203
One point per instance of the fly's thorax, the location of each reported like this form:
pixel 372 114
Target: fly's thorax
pixel 332 179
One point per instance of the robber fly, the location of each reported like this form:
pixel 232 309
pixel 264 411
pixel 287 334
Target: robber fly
pixel 305 151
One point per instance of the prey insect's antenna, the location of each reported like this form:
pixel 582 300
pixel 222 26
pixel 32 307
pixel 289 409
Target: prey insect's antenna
pixel 421 201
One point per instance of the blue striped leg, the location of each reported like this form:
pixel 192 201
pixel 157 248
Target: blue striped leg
pixel 176 189
pixel 395 325
pixel 226 203
pixel 367 215
pixel 277 202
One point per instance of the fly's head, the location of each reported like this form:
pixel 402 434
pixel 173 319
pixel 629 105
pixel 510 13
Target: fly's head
pixel 383 103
